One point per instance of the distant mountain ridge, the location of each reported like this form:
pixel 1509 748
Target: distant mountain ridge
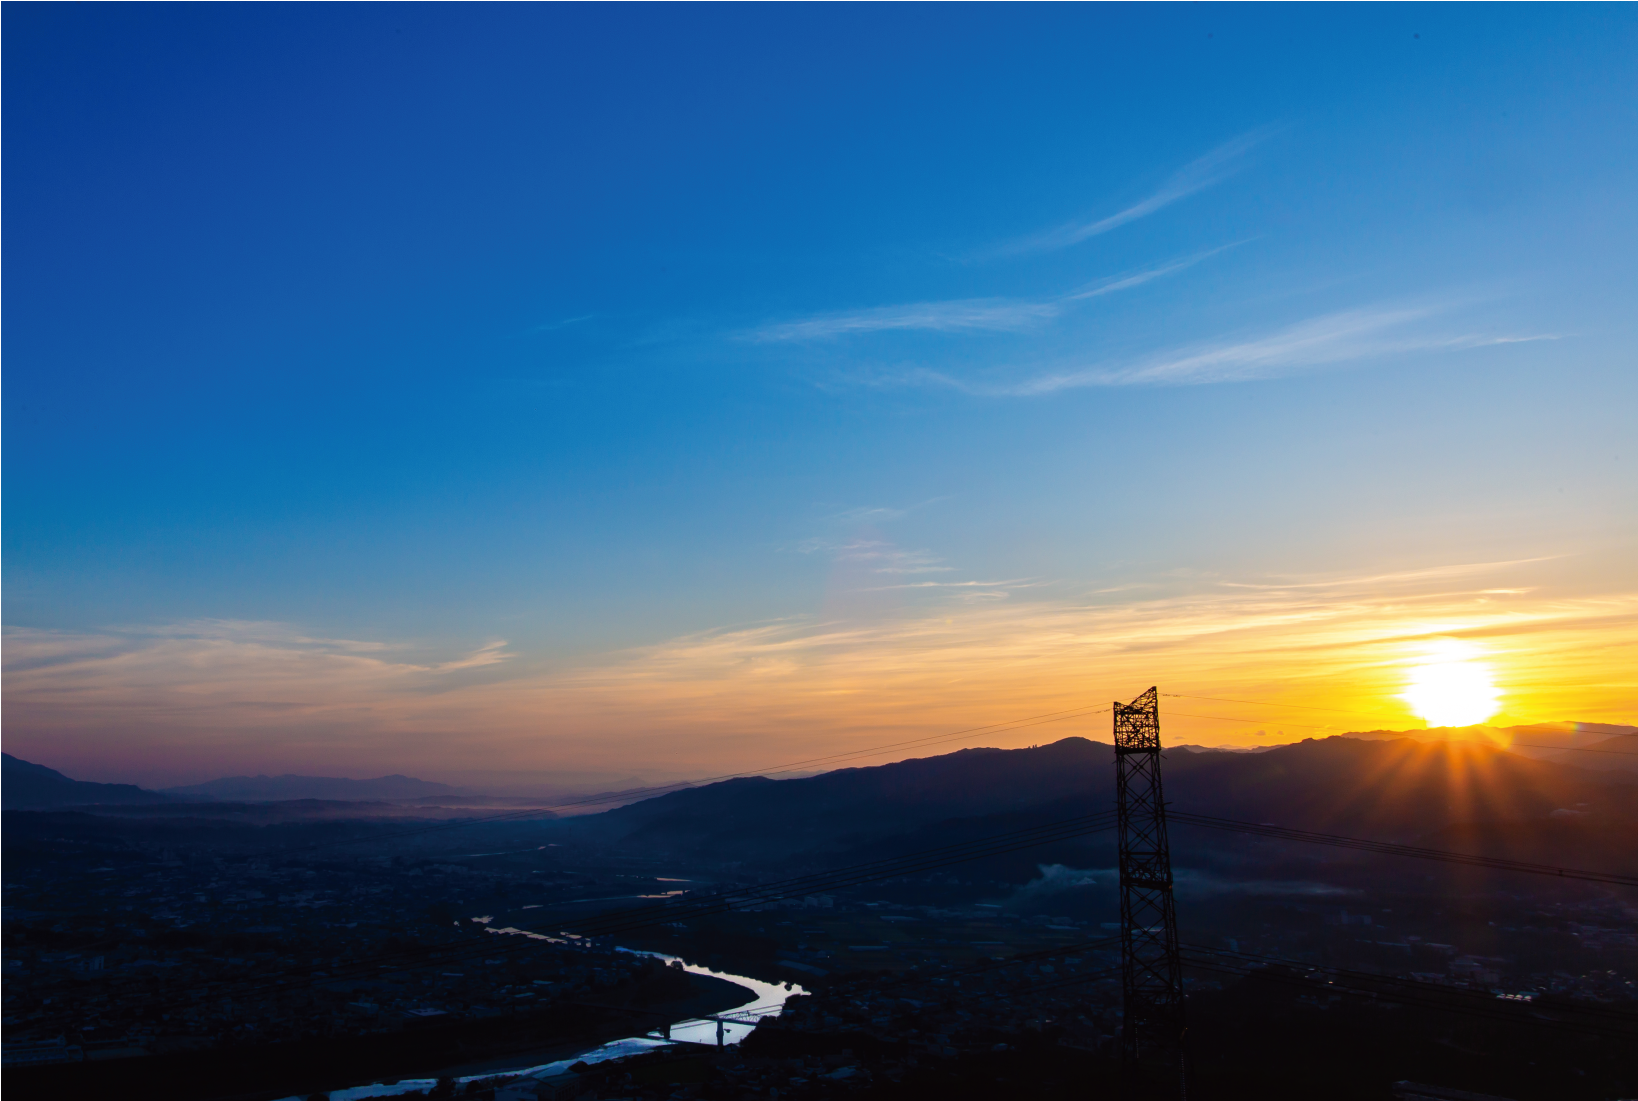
pixel 1396 789
pixel 1603 747
pixel 273 789
pixel 28 786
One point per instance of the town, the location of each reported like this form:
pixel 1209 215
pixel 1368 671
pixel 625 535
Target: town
pixel 439 963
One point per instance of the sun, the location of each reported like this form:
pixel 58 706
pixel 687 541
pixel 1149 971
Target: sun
pixel 1448 687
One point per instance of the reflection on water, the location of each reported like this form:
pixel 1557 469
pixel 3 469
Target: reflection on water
pixel 737 1024
pixel 769 1000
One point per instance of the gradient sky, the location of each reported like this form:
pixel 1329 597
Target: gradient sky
pixel 592 391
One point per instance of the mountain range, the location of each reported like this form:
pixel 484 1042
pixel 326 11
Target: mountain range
pixel 272 789
pixel 1598 746
pixel 28 786
pixel 1371 785
pixel 1392 790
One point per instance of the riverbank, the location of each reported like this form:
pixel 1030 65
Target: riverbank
pixel 711 995
pixel 425 1052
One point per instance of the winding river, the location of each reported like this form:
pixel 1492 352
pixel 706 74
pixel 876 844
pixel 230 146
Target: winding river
pixel 768 1001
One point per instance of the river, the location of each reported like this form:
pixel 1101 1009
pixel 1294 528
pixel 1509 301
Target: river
pixel 768 1001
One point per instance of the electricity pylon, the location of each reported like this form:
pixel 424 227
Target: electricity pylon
pixel 1151 972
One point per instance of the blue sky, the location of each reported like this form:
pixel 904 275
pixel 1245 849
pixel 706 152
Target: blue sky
pixel 504 339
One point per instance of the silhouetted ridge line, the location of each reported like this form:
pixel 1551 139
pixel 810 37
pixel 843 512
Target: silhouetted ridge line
pixel 665 789
pixel 30 786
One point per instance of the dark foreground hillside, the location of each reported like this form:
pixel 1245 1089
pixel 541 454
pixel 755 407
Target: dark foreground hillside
pixel 28 786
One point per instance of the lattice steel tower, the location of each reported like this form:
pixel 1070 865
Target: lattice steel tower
pixel 1150 970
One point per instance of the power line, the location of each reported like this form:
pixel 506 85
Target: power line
pixel 1268 703
pixel 1346 711
pixel 1357 714
pixel 1391 849
pixel 1408 991
pixel 1254 722
pixel 1241 955
pixel 1309 726
pixel 1401 995
pixel 1624 731
pixel 1574 749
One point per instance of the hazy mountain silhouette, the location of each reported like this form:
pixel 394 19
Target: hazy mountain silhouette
pixel 1395 790
pixel 272 789
pixel 1615 746
pixel 1620 752
pixel 28 786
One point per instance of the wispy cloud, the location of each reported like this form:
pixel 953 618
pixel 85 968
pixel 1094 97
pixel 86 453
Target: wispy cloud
pixel 1195 176
pixel 876 555
pixel 869 514
pixel 961 315
pixel 1333 338
pixel 882 514
pixel 562 323
pixel 1341 337
pixel 968 592
pixel 1136 279
pixel 1381 581
pixel 1013 583
pixel 490 654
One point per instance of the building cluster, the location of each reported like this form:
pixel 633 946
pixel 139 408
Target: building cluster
pixel 1542 937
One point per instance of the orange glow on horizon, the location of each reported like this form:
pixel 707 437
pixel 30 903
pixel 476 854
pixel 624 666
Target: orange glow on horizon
pixel 1276 663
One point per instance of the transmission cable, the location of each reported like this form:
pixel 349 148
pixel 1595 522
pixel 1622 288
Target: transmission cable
pixel 1254 958
pixel 1408 991
pixel 1360 714
pixel 1286 833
